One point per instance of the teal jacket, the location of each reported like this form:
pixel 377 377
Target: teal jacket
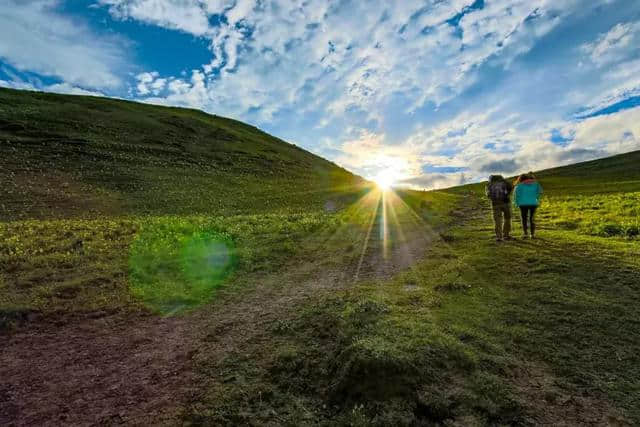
pixel 528 193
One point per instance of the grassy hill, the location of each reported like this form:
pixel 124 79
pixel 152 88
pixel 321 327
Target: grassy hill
pixel 78 156
pixel 164 265
pixel 94 188
pixel 599 197
pixel 608 175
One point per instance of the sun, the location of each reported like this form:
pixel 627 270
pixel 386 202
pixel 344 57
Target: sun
pixel 388 170
pixel 385 179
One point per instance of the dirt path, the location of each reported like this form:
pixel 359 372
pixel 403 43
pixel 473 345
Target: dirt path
pixel 137 370
pixel 111 370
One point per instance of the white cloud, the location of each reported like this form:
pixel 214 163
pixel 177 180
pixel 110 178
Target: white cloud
pixel 610 133
pixel 147 83
pixel 620 82
pixel 615 45
pixel 34 38
pixel 65 88
pixel 184 15
pixel 524 148
pixel 275 55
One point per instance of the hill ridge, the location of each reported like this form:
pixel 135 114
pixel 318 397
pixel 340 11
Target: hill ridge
pixel 74 155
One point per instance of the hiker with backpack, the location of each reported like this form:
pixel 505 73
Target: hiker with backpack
pixel 527 198
pixel 499 190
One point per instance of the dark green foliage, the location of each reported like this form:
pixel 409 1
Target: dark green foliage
pixel 70 156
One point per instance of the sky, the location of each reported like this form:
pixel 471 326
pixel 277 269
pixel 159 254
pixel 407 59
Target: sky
pixel 427 94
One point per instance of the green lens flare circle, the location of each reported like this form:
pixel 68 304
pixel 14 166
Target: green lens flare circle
pixel 205 259
pixel 174 270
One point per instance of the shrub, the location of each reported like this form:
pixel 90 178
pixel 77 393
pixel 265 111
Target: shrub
pixel 610 230
pixel 567 225
pixel 632 231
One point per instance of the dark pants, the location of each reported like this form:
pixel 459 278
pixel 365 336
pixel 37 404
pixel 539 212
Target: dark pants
pixel 502 219
pixel 527 213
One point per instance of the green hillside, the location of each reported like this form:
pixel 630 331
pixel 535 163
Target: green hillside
pixel 608 175
pixel 599 197
pixel 102 198
pixel 78 156
pixel 163 266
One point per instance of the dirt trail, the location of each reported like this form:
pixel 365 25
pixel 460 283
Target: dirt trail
pixel 109 370
pixel 137 370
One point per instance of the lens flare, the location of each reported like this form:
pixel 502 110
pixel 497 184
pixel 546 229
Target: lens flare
pixel 176 269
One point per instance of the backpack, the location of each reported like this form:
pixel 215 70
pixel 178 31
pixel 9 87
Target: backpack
pixel 499 191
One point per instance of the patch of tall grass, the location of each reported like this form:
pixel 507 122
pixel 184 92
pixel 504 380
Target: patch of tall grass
pixel 606 215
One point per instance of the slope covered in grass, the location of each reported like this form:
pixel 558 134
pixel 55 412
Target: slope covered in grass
pixel 107 203
pixel 70 156
pixel 599 197
pixel 399 309
pixel 525 332
pixel 607 175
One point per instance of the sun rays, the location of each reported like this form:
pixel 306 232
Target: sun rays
pixel 397 225
pixel 385 230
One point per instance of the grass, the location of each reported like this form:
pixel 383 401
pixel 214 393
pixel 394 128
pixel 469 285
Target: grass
pixel 478 333
pixel 75 156
pixel 111 206
pixel 607 215
pixel 82 266
pixel 466 336
pixel 595 198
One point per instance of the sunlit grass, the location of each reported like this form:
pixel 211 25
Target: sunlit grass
pixel 176 266
pixel 76 266
pixel 467 333
pixel 608 215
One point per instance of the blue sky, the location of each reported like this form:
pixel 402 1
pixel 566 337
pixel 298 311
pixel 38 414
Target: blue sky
pixel 424 93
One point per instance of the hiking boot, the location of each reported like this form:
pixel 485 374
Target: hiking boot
pixel 508 238
pixel 498 239
pixel 525 236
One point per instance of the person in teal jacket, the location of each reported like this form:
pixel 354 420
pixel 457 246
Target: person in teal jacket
pixel 527 198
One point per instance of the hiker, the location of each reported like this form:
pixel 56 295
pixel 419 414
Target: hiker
pixel 527 198
pixel 499 192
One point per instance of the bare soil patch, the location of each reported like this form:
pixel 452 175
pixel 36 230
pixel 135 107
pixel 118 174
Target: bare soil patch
pixel 117 369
